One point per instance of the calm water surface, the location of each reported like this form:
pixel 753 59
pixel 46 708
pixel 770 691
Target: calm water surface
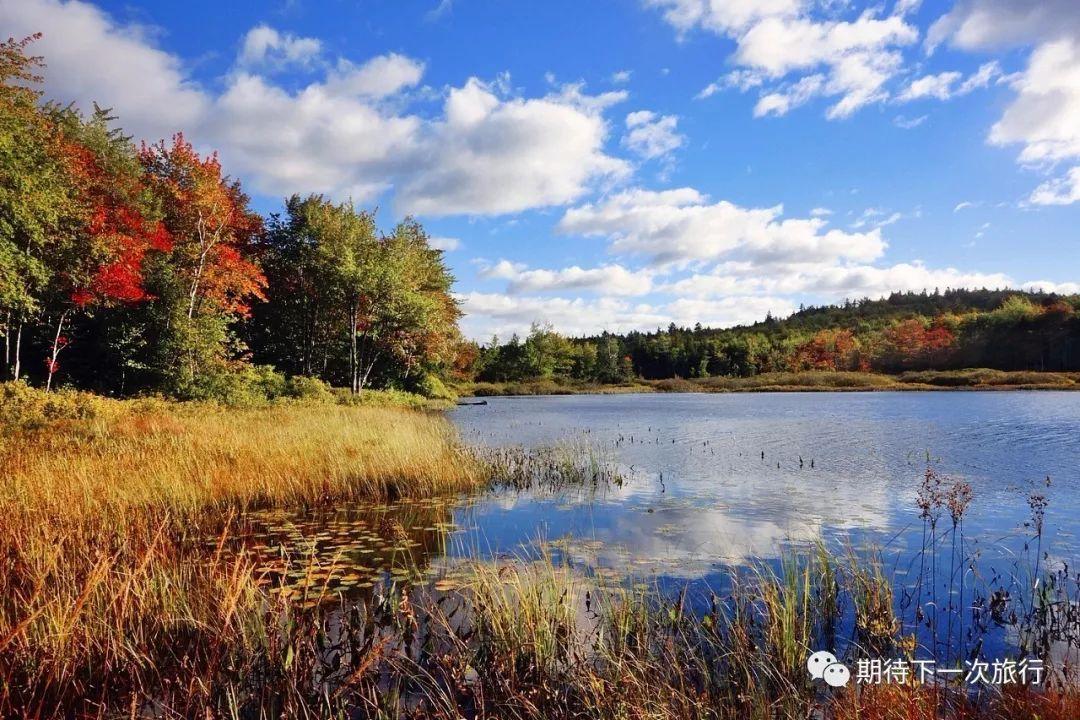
pixel 721 479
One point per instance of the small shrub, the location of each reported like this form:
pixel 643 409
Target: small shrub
pixel 987 377
pixel 22 406
pixel 676 384
pixel 238 386
pixel 433 388
pixel 267 381
pixel 484 389
pixel 302 387
pixel 814 379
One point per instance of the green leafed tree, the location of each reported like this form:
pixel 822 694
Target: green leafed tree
pixel 350 305
pixel 34 195
pixel 547 353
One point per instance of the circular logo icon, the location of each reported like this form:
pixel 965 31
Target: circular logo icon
pixel 837 675
pixel 817 663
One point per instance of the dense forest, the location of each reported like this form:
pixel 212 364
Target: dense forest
pixel 128 269
pixel 1001 329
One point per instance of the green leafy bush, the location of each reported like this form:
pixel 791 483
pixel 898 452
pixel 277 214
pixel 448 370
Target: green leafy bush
pixel 302 387
pixel 237 386
pixel 433 388
pixel 22 406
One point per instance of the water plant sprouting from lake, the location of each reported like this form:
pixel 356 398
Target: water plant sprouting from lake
pixel 1028 605
pixel 550 469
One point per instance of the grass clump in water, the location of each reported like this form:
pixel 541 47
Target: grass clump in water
pixel 549 469
pixel 524 639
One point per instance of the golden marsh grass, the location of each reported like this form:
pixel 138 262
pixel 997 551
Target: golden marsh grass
pixel 103 513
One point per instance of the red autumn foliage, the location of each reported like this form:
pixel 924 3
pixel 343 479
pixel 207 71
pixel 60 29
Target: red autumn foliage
pixel 213 231
pixel 117 236
pixel 912 341
pixel 938 337
pixel 828 350
pixel 1059 307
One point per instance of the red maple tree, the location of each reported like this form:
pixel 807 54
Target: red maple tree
pixel 100 262
pixel 213 230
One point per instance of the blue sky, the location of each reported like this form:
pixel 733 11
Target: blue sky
pixel 620 164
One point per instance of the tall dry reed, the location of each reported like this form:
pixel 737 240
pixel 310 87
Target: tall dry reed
pixel 104 515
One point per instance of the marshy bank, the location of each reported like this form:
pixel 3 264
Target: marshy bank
pixel 807 381
pixel 119 584
pixel 106 589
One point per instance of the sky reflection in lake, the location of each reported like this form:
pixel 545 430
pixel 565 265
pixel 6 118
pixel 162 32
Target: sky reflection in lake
pixel 715 480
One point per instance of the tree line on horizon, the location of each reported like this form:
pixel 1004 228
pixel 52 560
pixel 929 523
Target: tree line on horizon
pixel 999 329
pixel 128 269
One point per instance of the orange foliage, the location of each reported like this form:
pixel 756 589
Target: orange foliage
pixel 213 230
pixel 1059 307
pixel 912 341
pixel 828 350
pixel 466 356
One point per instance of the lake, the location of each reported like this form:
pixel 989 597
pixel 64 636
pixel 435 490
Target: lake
pixel 718 482
pixel 722 481
pixel 723 478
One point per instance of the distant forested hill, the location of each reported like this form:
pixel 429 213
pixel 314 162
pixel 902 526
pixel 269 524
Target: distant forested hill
pixel 1002 329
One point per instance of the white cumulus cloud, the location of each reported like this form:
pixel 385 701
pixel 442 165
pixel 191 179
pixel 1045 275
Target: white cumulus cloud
pixel 488 314
pixel 652 136
pixel 347 133
pixel 947 85
pixel 606 280
pixel 490 155
pixel 833 282
pixel 990 24
pixel 90 58
pixel 1045 116
pixel 682 225
pixel 379 77
pixel 264 45
pixel 849 60
pixel 446 244
pixel 1064 190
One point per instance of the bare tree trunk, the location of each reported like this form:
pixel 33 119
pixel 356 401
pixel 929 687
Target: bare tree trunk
pixel 309 349
pixel 207 240
pixel 18 351
pixel 367 372
pixel 55 351
pixel 195 285
pixel 352 351
pixel 7 341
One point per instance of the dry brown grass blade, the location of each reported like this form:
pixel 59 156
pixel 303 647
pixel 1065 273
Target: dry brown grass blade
pixel 19 628
pixel 374 654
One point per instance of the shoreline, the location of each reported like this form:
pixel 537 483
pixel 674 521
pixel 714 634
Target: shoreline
pixel 924 381
pixel 793 390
